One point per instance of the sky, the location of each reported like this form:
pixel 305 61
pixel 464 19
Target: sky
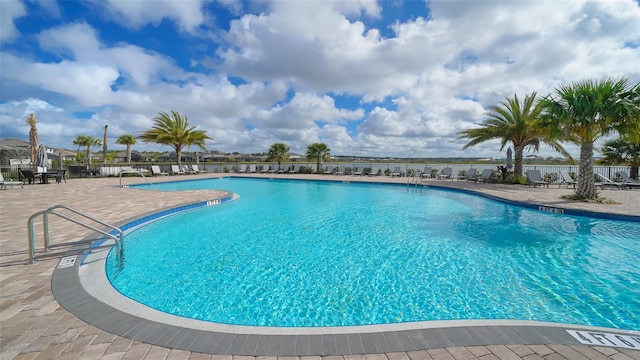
pixel 368 78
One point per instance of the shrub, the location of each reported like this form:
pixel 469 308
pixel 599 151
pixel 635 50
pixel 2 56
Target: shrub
pixel 366 171
pixel 550 177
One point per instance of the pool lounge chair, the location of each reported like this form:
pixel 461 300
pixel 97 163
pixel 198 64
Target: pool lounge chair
pixel 472 175
pixel 605 181
pixel 357 172
pixel 340 170
pixel 445 174
pixel 155 170
pixel 176 170
pixel 196 168
pixel 534 178
pixel 252 169
pixel 188 170
pixel 628 181
pixel 328 170
pixel 397 171
pixel 242 168
pixel 4 183
pixel 485 177
pixel 566 179
pixel 294 169
pixel 264 169
pixel 426 172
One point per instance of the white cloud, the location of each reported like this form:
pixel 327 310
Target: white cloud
pixel 279 74
pixel 135 14
pixel 9 11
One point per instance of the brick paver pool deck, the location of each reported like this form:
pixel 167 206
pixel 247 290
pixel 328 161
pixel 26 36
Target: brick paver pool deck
pixel 33 325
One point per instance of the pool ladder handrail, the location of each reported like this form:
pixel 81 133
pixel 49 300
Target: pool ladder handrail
pixel 117 238
pixel 131 171
pixel 414 179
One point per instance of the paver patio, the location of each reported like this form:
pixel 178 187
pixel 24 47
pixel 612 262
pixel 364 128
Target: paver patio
pixel 34 326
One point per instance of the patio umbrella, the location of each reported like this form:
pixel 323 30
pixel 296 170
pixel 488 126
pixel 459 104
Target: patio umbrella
pixel 41 157
pixel 509 159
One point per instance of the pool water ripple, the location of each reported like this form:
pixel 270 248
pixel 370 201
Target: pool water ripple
pixel 291 253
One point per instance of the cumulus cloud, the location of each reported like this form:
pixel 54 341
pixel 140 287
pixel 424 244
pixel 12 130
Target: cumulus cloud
pixel 281 70
pixel 135 14
pixel 9 11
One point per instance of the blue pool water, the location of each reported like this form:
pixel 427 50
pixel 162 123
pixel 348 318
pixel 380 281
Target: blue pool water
pixel 305 253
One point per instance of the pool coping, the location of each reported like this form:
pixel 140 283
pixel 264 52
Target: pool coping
pixel 129 320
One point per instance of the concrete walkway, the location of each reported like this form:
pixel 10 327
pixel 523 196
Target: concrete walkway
pixel 34 326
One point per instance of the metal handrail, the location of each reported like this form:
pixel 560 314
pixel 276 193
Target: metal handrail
pixel 118 238
pixel 131 171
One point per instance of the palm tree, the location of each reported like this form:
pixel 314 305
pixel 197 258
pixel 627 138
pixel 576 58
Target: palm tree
pixel 582 112
pixel 318 152
pixel 104 145
pixel 512 121
pixel 128 140
pixel 623 150
pixel 278 152
pixel 173 129
pixel 89 142
pixel 33 137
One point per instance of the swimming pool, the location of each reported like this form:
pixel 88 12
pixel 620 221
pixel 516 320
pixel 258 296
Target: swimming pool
pixel 306 253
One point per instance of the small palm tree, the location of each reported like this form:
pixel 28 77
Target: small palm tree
pixel 89 142
pixel 174 130
pixel 319 152
pixel 512 121
pixel 278 152
pixel 128 140
pixel 582 112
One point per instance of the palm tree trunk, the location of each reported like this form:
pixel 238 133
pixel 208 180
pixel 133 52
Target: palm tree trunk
pixel 179 155
pixel 129 154
pixel 517 166
pixel 89 155
pixel 105 146
pixel 586 187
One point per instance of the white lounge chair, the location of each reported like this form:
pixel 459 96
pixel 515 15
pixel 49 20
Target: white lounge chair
pixel 196 168
pixel 252 169
pixel 294 169
pixel 328 170
pixel 357 172
pixel 340 170
pixel 4 183
pixel 242 168
pixel 188 170
pixel 176 170
pixel 534 178
pixel 264 169
pixel 155 170
pixel 397 171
